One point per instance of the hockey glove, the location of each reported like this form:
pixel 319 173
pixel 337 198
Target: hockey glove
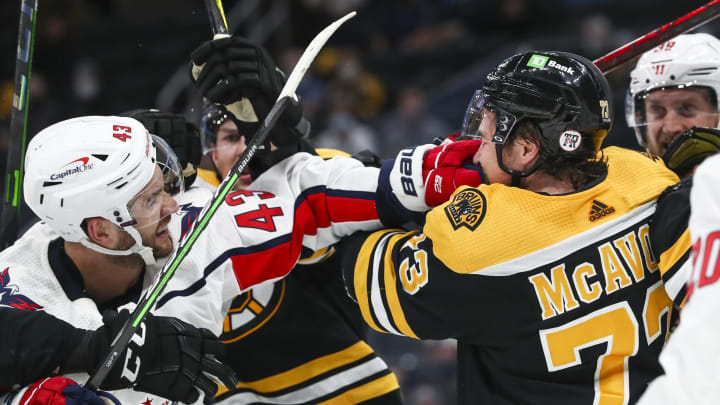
pixel 690 148
pixel 182 136
pixel 368 158
pixel 448 139
pixel 64 391
pixel 426 176
pixel 234 70
pixel 166 357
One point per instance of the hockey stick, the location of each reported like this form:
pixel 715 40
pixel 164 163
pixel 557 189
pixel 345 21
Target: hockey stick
pixel 10 220
pixel 628 52
pixel 287 94
pixel 218 23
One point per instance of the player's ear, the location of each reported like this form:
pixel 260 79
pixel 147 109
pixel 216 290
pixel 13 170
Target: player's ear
pixel 101 231
pixel 527 152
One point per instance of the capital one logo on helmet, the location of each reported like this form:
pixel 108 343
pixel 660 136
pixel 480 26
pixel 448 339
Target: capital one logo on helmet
pixel 75 170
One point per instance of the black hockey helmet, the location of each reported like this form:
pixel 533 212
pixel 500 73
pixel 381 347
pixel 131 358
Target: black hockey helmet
pixel 564 95
pixel 214 115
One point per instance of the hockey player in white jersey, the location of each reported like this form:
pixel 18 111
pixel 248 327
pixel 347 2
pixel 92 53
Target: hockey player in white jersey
pixel 98 185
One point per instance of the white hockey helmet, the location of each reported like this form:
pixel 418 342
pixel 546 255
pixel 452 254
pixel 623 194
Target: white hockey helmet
pixel 90 167
pixel 686 60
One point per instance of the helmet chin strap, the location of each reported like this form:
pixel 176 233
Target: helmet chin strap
pixel 146 253
pixel 516 176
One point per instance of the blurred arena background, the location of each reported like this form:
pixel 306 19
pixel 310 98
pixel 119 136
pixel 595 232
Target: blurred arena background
pixel 399 73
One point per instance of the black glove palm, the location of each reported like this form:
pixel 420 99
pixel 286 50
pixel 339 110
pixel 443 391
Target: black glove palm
pixel 691 147
pixel 229 69
pixel 166 357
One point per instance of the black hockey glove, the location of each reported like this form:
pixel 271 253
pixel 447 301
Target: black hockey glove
pixel 166 357
pixel 182 136
pixel 368 158
pixel 266 159
pixel 229 69
pixel 690 148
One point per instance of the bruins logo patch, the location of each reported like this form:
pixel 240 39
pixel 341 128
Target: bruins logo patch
pixel 466 209
pixel 251 310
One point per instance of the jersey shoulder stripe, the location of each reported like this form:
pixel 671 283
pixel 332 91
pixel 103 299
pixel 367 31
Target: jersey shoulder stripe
pixel 677 253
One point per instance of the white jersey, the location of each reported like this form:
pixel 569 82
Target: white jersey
pixel 29 282
pixel 691 358
pixel 255 237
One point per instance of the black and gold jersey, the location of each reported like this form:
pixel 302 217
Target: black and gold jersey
pixel 553 299
pixel 301 341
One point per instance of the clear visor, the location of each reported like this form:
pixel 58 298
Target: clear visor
pixel 683 105
pixel 486 122
pixel 155 203
pixel 229 144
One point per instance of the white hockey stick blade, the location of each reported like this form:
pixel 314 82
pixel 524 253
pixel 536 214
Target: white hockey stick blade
pixel 308 56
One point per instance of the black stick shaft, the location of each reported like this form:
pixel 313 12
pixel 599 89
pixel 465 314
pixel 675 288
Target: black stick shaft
pixel 217 18
pixel 9 221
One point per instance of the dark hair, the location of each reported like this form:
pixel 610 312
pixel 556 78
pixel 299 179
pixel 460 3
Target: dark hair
pixel 580 168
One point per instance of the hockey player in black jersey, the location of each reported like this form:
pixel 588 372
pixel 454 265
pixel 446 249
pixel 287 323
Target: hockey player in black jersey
pixel 546 276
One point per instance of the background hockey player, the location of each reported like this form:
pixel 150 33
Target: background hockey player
pixel 545 276
pixel 673 100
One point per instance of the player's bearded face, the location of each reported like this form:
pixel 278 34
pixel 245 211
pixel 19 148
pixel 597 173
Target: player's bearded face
pixel 229 145
pixel 152 208
pixel 673 111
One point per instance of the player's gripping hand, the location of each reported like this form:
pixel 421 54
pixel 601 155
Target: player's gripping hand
pixel 166 357
pixel 64 391
pixel 426 176
pixel 228 70
pixel 449 166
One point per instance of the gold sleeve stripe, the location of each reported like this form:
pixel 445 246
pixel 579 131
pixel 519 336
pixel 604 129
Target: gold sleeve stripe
pixel 209 176
pixel 327 153
pixel 391 293
pixel 367 391
pixel 669 258
pixel 309 370
pixel 362 265
pixel 317 256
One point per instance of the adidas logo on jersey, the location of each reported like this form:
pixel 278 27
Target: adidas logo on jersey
pixel 599 210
